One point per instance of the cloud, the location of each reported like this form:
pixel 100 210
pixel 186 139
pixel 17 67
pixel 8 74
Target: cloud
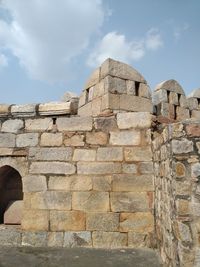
pixel 46 36
pixel 116 46
pixel 178 31
pixel 3 61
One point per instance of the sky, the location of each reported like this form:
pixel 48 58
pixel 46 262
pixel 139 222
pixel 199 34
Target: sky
pixel 49 47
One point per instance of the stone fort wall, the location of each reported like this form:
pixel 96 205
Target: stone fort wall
pixel 117 167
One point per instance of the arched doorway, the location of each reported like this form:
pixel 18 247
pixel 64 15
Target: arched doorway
pixel 10 195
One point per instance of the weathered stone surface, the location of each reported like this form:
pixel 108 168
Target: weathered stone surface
pixel 182 146
pixel 39 124
pixel 166 110
pixel 51 139
pixel 195 170
pixel 129 168
pixel 144 90
pixel 110 101
pixel 170 85
pixel 129 201
pixel 129 120
pixel 180 169
pixel 195 114
pixel 7 140
pixel 54 108
pixel 52 168
pixel 182 206
pixel 98 168
pixel 182 113
pixel 139 240
pixel 146 167
pixel 114 85
pixel 71 183
pixel 105 124
pixel 182 232
pixel 84 155
pixel 12 126
pixel 107 222
pixel 109 239
pixel 130 87
pixel 34 183
pixel 173 98
pixel 121 70
pixel 77 239
pixel 51 200
pixel 110 154
pixel 13 212
pixel 96 138
pixel 102 183
pixel 74 124
pixel 55 239
pixel 27 139
pixel 23 110
pixel 4 110
pixel 53 153
pixel 34 239
pixel 183 188
pixel 73 139
pixel 93 79
pixel 135 103
pixel 160 96
pixel 67 220
pixel 133 183
pixel 35 220
pixel 138 153
pixel 125 137
pixel 5 151
pixel 90 201
pixel 10 236
pixel 193 130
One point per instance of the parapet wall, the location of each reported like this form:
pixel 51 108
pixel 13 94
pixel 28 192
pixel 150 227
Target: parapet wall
pixel 116 168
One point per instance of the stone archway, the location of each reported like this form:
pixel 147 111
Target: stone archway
pixel 11 195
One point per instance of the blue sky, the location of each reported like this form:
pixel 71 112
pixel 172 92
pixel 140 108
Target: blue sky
pixel 49 47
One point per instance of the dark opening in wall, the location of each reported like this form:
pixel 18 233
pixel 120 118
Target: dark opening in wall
pixel 137 86
pixel 175 112
pixel 87 96
pixel 198 99
pixel 168 93
pixel 179 97
pixel 10 194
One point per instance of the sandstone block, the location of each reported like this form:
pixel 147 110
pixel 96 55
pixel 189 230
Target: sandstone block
pixel 182 207
pixel 192 103
pixel 51 154
pixel 82 99
pixel 4 110
pixel 130 87
pixel 135 103
pixel 105 124
pixel 166 110
pixel 85 110
pixel 13 212
pixel 4 151
pixel 182 146
pixel 183 188
pixel 110 154
pixel 195 170
pixel 96 106
pixel 90 201
pixel 138 153
pixel 133 183
pixel 39 124
pixel 12 126
pixel 193 130
pixel 129 120
pixel 102 183
pixel 55 239
pixel 107 222
pixel 129 201
pixel 51 139
pixel 7 140
pixel 98 89
pixel 35 220
pixel 71 183
pixel 10 237
pixel 84 155
pixel 77 239
pixel 129 168
pixel 93 79
pixel 54 108
pixel 27 139
pixel 96 138
pixel 98 168
pixel 51 200
pixel 138 240
pixel 52 168
pixel 195 114
pixel 160 96
pixel 34 183
pixel 74 140
pixel 140 222
pixel 146 167
pixel 182 113
pixel 67 220
pixel 109 240
pixel 173 98
pixel 182 232
pixel 23 110
pixel 74 124
pixel 110 101
pixel 34 239
pixel 114 85
pixel 180 169
pixel 125 138
pixel 144 90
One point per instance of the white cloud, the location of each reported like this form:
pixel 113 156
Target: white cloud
pixel 46 35
pixel 3 61
pixel 116 46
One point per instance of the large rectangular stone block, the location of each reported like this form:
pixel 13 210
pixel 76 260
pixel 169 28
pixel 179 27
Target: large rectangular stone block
pixel 77 239
pixel 35 220
pixel 55 239
pixel 129 201
pixel 34 239
pixel 90 201
pixel 114 85
pixel 110 101
pixel 132 182
pixel 140 222
pixel 52 168
pixel 74 124
pixel 109 239
pixel 34 183
pixel 125 138
pixel 10 236
pixel 129 120
pixel 51 200
pixel 51 139
pixel 110 154
pixel 107 222
pixel 12 126
pixel 67 220
pixel 102 183
pixel 27 139
pixel 71 183
pixel 96 138
pixel 135 103
pixel 84 155
pixel 98 168
pixel 7 140
pixel 51 154
pixel 45 124
pixel 138 153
